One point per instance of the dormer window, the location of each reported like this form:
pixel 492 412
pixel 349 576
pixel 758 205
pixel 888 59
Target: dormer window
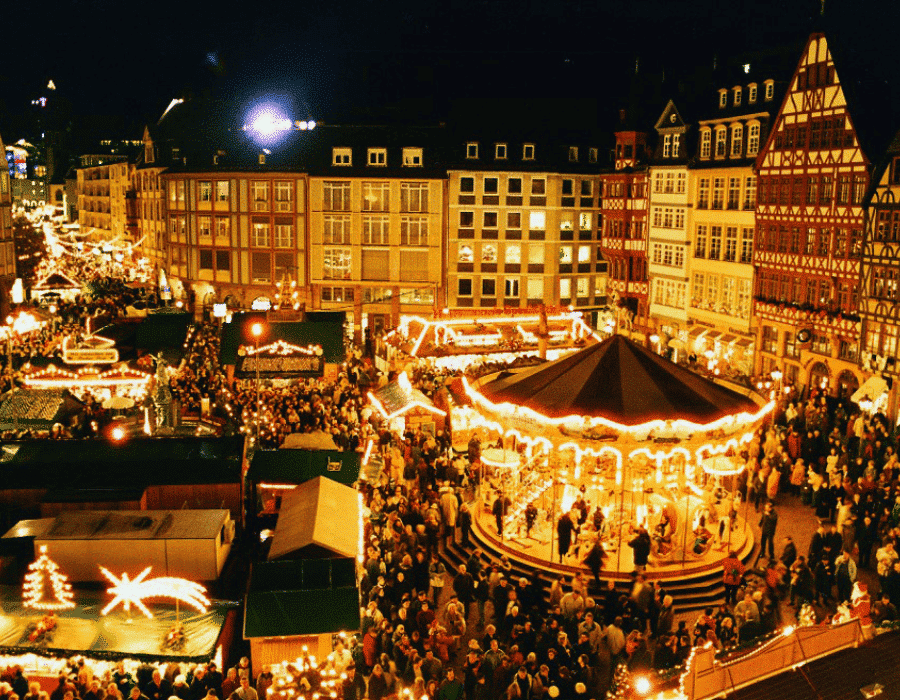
pixel 148 153
pixel 723 98
pixel 471 150
pixel 737 140
pixel 705 143
pixel 676 145
pixel 721 140
pixel 667 145
pixel 751 93
pixel 573 154
pixel 528 151
pixel 770 90
pixel 737 96
pixel 377 156
pixel 592 155
pixel 500 151
pixel 412 157
pixel 341 156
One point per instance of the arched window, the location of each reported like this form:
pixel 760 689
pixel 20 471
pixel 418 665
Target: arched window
pixel 737 140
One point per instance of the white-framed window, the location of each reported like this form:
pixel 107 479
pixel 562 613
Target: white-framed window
pixel 676 145
pixel 412 157
pixel 723 98
pixel 260 190
pixel 377 156
pixel 472 150
pixel 376 230
pixel 342 156
pixel 414 196
pixel 565 255
pixel 535 253
pixel 336 230
pixel 261 234
pixel 414 230
pixel 751 93
pixel 467 219
pixel 753 139
pixel 585 221
pixel 222 190
pixel 500 151
pixel 737 96
pixel 658 182
pixel 721 140
pixel 466 185
pixel 284 236
pixel 737 140
pixel 770 89
pixel 528 151
pixel 593 154
pixel 565 288
pixel 537 220
pixel 535 288
pixel 538 186
pixel 204 191
pixel 514 186
pixel 261 267
pixel 489 220
pixel 336 263
pixel 464 287
pixel 731 243
pixel 284 195
pixel 750 193
pixel 336 196
pixel 488 287
pixel 513 254
pixel 705 143
pixel 465 253
pixel 681 183
pixel 514 220
pixel 204 226
pixel 488 253
pixel 376 196
pixel 584 254
pixel 701 241
pixel 667 145
pixel 573 154
pixel 581 288
pixel 511 287
pixel 491 185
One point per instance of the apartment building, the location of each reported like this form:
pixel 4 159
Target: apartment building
pixel 104 183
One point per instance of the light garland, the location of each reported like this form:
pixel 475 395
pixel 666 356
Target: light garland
pixel 282 348
pixel 34 588
pixel 409 404
pixel 133 591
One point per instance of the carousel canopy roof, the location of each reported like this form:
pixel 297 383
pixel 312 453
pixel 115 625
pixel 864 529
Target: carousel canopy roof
pixel 618 380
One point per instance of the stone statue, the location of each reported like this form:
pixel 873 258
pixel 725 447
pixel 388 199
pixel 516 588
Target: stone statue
pixel 162 396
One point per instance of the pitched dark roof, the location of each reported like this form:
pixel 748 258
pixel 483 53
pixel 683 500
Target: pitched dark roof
pixel 299 466
pixel 302 574
pixel 37 408
pixel 619 380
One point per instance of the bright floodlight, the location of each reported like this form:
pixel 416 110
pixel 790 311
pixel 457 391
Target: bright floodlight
pixel 642 685
pixel 118 433
pixel 256 329
pixel 267 123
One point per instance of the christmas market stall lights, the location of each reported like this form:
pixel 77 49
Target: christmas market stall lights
pixel 120 379
pixel 616 428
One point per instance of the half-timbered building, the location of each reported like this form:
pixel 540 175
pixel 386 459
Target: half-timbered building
pixel 624 212
pixel 813 175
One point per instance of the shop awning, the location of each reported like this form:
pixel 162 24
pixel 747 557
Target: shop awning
pixel 728 339
pixel 696 331
pixel 743 342
pixel 871 389
pixel 713 334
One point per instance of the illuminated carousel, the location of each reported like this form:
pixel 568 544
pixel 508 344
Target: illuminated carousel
pixel 617 439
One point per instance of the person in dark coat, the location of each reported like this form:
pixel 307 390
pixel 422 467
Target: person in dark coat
pixel 640 543
pixel 500 509
pixel 564 530
pixel 464 588
pixel 594 560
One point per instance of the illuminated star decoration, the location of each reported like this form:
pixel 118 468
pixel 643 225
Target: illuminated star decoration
pixel 133 591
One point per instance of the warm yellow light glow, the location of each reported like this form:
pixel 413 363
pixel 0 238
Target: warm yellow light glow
pixel 133 591
pixel 35 593
pixel 256 330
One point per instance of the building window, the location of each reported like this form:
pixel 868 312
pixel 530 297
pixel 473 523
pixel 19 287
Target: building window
pixel 336 230
pixel 734 193
pixel 538 186
pixel 585 221
pixel 412 157
pixel 465 254
pixel 513 254
pixel 471 151
pixel 718 192
pixel 260 195
pixel 737 97
pixel 223 227
pixel 414 196
pixel 705 143
pixel 537 220
pixel 565 255
pixel 770 90
pixel 500 151
pixel 336 264
pixel 341 156
pixel 261 267
pixel 715 243
pixel 414 231
pixel 491 185
pixel 222 192
pixel 723 98
pixel 511 287
pixel 489 220
pixel 536 254
pixel 223 260
pixel 528 151
pixel 204 226
pixel 573 154
pixel 206 259
pixel 376 230
pixel 466 219
pixel 514 186
pixel 587 188
pixel 489 253
pixel 721 139
pixel 336 196
pixel 667 146
pixel 750 193
pixel 204 194
pixel 565 289
pixel 592 155
pixel 751 93
pixel 464 287
pixel 376 196
pixel 737 140
pixel 676 145
pixel 284 195
pixel 535 288
pixel 375 264
pixel 377 156
pixel 700 244
pixel 261 234
pixel 703 193
pixel 284 235
pixel 467 185
pixel 514 220
pixel 731 241
pixel 753 140
pixel 747 246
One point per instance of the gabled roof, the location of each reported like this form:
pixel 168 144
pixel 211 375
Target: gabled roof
pixel 57 280
pixel 318 518
pixel 621 381
pixel 37 408
pixel 299 466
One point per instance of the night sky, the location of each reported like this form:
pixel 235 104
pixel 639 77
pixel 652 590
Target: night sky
pixel 118 68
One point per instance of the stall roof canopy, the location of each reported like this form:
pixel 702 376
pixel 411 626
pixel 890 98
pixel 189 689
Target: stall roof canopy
pixel 317 519
pixel 197 524
pixel 151 461
pixel 299 466
pixel 37 408
pixel 399 396
pixel 618 380
pixel 327 334
pixel 56 280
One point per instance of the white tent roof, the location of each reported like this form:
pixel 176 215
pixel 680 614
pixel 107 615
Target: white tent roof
pixel 871 389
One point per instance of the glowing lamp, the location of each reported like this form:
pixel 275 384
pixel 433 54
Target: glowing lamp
pixel 256 330
pixel 118 433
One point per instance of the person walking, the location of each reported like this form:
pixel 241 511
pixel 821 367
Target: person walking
pixel 767 524
pixel 733 574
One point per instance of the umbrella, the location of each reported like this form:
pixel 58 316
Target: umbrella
pixel 117 403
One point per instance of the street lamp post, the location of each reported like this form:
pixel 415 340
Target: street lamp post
pixel 256 330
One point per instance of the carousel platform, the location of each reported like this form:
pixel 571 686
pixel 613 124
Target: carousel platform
pixel 694 583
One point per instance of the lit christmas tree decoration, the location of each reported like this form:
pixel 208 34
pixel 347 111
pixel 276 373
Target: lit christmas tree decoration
pixel 46 587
